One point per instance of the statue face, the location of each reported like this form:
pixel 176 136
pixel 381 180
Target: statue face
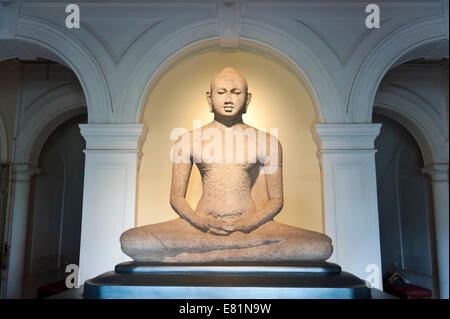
pixel 228 98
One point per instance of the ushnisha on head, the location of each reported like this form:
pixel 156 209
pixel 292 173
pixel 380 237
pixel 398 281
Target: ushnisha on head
pixel 228 96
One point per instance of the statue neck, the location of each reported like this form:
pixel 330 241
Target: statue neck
pixel 221 122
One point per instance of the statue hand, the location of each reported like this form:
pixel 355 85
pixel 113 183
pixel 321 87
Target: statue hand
pixel 216 226
pixel 242 224
pixel 216 231
pixel 209 224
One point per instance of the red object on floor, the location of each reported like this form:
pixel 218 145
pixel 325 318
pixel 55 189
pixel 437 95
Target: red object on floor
pixel 52 289
pixel 407 290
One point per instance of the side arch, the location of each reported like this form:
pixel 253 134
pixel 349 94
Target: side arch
pixel 33 136
pixel 78 58
pixel 390 103
pixel 383 57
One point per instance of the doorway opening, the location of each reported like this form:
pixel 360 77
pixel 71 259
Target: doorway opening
pixel 404 205
pixel 54 227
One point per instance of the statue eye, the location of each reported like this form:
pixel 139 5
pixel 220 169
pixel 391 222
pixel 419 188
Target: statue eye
pixel 220 92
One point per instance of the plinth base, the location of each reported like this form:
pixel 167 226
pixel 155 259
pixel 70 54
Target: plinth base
pixel 285 280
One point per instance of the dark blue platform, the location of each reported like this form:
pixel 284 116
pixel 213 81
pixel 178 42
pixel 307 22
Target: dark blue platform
pixel 285 280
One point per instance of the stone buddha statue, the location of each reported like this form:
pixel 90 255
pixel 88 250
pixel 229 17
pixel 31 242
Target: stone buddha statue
pixel 242 193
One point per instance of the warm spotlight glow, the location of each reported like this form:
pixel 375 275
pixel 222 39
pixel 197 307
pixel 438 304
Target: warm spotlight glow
pixel 279 100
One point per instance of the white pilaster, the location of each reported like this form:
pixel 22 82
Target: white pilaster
pixel 347 156
pixel 109 199
pixel 439 182
pixel 17 250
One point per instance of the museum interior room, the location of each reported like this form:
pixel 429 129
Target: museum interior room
pixel 94 96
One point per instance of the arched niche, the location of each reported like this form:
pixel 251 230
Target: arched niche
pixel 404 202
pixel 55 210
pixel 256 35
pixel 245 45
pixel 280 99
pixel 29 144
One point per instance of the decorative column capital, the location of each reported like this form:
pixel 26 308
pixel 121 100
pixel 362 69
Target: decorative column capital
pixel 437 172
pixel 24 172
pixel 329 137
pixel 113 136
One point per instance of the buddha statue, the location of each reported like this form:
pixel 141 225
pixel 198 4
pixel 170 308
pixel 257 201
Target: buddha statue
pixel 242 193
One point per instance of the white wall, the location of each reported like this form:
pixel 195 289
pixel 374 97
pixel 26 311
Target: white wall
pixel 109 198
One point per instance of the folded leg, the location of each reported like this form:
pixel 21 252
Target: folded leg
pixel 179 241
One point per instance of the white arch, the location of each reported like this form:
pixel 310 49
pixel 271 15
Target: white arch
pixel 255 35
pixel 52 113
pixel 392 103
pixel 33 136
pixel 383 57
pixel 78 58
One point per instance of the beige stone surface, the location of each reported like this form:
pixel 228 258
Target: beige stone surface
pixel 179 241
pixel 233 220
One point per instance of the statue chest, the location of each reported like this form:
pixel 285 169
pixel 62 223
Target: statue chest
pixel 229 174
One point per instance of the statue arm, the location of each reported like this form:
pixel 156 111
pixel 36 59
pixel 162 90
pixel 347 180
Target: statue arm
pixel 180 179
pixel 274 183
pixel 182 166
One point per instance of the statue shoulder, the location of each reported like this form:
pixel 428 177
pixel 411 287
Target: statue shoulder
pixel 197 132
pixel 271 140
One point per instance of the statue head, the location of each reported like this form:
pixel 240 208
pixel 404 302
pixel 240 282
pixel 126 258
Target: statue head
pixel 228 97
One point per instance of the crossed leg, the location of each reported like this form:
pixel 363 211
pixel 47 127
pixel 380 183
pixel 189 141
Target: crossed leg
pixel 179 241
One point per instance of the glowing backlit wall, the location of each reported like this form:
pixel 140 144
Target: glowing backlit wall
pixel 279 101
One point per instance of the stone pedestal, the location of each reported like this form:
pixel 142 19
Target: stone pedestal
pixel 285 280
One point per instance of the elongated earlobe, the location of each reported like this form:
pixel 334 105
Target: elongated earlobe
pixel 247 101
pixel 208 98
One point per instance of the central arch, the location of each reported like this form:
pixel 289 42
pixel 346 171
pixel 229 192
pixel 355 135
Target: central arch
pixel 256 36
pixel 280 100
